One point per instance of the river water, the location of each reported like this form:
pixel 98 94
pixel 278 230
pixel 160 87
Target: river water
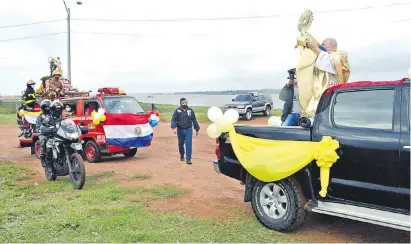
pixel 197 99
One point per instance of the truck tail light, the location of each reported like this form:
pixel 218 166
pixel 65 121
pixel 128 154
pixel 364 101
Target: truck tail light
pixel 217 149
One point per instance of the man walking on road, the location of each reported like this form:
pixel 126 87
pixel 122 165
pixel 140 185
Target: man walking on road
pixel 182 124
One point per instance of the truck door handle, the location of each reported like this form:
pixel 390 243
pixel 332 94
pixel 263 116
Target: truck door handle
pixel 406 148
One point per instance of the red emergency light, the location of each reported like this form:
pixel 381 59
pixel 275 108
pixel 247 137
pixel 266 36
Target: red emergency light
pixel 109 90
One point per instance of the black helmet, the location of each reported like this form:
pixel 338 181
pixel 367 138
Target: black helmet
pixel 57 108
pixel 45 106
pixel 57 105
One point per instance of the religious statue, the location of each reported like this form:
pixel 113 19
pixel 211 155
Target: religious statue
pixel 55 64
pixel 318 67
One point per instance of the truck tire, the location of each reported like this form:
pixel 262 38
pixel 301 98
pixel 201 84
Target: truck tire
pixel 279 205
pixel 92 152
pixel 248 114
pixel 267 110
pixel 130 153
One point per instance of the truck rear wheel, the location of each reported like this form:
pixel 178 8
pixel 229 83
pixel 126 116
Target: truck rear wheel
pixel 130 153
pixel 279 205
pixel 92 152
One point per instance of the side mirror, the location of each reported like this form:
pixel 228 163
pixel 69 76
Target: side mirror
pixel 232 100
pixel 84 130
pixel 254 99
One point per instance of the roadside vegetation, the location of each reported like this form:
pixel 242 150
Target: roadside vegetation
pixel 104 211
pixel 8 110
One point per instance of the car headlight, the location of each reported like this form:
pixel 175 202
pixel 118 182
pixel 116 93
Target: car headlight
pixel 240 106
pixel 74 135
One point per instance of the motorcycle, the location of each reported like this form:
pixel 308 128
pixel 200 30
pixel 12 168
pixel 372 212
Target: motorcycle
pixel 63 152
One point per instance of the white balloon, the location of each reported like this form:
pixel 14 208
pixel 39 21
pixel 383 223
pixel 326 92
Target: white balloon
pixel 212 131
pixel 153 117
pixel 274 121
pixel 214 113
pixel 157 118
pixel 101 111
pixel 232 115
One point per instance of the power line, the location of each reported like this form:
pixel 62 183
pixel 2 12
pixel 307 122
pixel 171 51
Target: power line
pixel 29 37
pixel 207 19
pixel 237 18
pixel 126 34
pixel 32 23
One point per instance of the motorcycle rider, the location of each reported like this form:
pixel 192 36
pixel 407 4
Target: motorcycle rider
pixel 57 111
pixel 45 119
pixel 30 94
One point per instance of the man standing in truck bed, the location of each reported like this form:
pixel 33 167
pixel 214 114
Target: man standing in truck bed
pixel 182 124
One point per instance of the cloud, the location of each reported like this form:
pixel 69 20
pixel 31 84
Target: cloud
pixel 195 55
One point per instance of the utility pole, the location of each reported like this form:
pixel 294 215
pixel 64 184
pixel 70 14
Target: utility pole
pixel 69 40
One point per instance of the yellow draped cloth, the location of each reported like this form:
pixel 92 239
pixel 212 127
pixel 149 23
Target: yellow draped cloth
pixel 312 82
pixel 272 160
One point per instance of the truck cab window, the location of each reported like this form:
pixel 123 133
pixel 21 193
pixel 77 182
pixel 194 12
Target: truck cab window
pixel 90 106
pixel 364 109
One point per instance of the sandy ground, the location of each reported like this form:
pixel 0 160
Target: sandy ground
pixel 211 195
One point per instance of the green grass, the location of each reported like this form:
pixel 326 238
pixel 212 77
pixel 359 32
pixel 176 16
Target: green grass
pixel 8 109
pixel 106 212
pixel 166 111
pixel 141 176
pixel 8 119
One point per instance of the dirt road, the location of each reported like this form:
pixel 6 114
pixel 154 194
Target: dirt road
pixel 211 195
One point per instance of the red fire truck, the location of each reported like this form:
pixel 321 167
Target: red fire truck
pixel 117 123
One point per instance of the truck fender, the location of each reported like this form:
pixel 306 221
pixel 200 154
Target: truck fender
pixel 249 184
pixel 303 177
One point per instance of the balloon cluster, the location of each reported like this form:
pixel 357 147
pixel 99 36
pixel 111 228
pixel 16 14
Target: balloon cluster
pixel 221 122
pixel 99 116
pixel 274 121
pixel 154 118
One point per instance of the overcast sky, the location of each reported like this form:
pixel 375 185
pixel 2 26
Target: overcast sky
pixel 171 56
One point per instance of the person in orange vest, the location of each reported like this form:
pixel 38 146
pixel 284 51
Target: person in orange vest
pixel 55 86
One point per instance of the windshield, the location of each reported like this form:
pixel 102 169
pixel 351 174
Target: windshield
pixel 242 98
pixel 68 125
pixel 122 105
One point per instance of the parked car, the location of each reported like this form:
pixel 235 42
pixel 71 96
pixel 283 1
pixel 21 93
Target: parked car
pixel 247 104
pixel 371 180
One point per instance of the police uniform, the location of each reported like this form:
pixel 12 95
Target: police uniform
pixel 183 120
pixel 44 120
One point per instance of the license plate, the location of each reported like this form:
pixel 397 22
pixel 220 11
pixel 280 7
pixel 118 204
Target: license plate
pixel 78 146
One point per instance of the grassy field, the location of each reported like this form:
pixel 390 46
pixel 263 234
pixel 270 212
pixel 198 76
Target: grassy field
pixel 8 109
pixel 104 211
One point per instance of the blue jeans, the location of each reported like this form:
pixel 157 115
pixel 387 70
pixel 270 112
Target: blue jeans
pixel 185 137
pixel 291 120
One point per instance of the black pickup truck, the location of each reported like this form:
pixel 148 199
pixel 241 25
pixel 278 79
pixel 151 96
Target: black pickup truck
pixel 371 180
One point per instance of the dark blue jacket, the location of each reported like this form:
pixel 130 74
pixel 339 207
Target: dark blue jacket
pixel 184 119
